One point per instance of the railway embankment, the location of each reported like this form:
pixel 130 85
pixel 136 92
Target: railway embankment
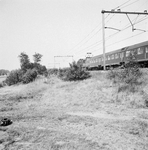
pixel 90 114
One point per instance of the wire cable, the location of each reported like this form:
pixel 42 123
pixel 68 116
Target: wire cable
pixel 130 4
pixel 122 4
pixel 107 38
pixel 96 44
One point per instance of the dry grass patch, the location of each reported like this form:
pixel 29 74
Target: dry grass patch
pixel 43 119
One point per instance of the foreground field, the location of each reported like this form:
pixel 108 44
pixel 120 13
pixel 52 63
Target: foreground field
pixel 86 115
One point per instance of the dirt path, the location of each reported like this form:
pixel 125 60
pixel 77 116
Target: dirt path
pixel 101 114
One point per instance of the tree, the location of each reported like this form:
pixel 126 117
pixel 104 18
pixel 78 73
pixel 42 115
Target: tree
pixel 76 72
pixel 24 61
pixel 14 77
pixel 80 62
pixel 37 57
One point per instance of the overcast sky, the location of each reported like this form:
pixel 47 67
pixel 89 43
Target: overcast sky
pixel 65 27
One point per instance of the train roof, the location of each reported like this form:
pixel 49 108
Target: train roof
pixel 123 49
pixel 138 45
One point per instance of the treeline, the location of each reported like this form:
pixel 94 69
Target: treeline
pixel 28 71
pixel 3 72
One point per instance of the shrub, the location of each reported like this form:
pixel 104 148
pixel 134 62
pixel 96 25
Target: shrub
pixel 1 85
pixel 75 72
pixel 14 77
pixel 62 73
pixel 29 76
pixel 114 74
pixel 41 70
pixel 53 71
pixel 129 75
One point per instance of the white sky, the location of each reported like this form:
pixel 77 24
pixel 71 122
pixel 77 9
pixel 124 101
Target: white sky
pixel 64 27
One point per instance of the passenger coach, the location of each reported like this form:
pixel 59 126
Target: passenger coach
pixel 119 57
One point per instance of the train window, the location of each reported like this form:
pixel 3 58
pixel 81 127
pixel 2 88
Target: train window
pixel 140 51
pixel 146 49
pixel 112 56
pixel 116 56
pixel 127 53
pixel 132 52
pixel 108 57
pixel 121 55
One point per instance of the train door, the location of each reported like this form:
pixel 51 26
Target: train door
pixel 146 52
pixel 122 56
pixel 140 53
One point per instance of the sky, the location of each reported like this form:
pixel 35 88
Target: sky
pixel 66 30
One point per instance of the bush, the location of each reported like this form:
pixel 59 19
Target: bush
pixel 41 70
pixel 14 77
pixel 62 73
pixel 114 74
pixel 75 72
pixel 1 85
pixel 129 75
pixel 29 76
pixel 53 71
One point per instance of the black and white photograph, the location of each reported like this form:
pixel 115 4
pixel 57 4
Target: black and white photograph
pixel 73 74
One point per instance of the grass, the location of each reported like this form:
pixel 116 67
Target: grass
pixel 43 115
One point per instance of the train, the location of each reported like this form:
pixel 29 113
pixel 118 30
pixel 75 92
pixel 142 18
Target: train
pixel 118 58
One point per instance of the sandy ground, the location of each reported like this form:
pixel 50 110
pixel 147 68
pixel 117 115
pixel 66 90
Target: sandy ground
pixel 58 115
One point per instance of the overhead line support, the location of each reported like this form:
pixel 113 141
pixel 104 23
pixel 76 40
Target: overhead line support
pixel 103 26
pixel 124 12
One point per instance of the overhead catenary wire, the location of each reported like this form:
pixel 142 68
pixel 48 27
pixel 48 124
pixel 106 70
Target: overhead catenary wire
pixel 84 38
pixel 116 8
pixel 96 27
pixel 121 40
pixel 97 43
pixel 109 19
pixel 78 45
pixel 81 43
pixel 122 4
pixel 129 4
pixel 107 38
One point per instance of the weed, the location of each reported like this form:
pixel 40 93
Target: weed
pixel 129 76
